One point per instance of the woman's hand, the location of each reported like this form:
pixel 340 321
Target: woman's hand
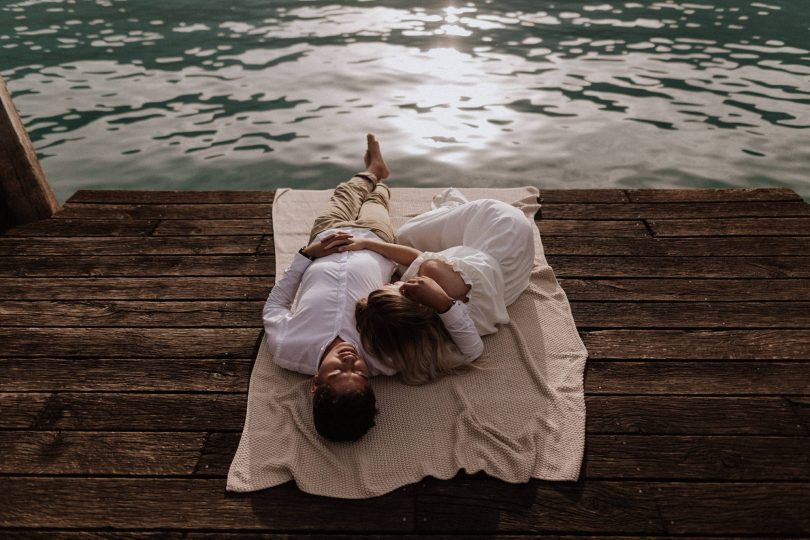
pixel 328 245
pixel 427 292
pixel 355 244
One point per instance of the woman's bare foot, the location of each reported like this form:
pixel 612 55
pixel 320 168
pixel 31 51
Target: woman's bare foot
pixel 374 160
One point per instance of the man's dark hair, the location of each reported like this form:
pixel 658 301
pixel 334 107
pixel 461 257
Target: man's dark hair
pixel 343 416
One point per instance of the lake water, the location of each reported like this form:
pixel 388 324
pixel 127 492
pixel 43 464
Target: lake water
pixel 255 94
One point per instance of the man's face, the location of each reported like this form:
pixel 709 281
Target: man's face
pixel 342 369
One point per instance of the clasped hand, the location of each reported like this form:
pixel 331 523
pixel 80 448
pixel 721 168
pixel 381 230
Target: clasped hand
pixel 329 244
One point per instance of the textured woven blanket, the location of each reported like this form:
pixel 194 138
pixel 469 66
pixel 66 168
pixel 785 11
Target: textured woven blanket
pixel 520 416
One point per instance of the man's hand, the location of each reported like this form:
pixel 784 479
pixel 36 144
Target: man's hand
pixel 328 245
pixel 427 292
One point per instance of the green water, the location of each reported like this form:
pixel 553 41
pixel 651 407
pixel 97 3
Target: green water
pixel 258 95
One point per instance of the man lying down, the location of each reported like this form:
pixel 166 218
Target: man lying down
pixel 351 323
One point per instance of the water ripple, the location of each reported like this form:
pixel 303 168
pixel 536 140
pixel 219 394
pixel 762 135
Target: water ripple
pixel 604 94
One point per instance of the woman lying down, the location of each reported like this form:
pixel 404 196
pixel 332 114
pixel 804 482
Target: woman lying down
pixel 465 261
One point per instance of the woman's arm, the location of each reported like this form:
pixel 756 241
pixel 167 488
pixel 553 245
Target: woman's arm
pixel 454 315
pixel 403 255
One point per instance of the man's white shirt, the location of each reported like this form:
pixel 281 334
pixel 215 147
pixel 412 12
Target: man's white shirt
pixel 328 289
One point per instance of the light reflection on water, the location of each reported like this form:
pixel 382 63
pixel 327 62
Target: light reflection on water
pixel 182 95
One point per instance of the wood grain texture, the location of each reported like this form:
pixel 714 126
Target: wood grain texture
pixel 607 506
pixel 674 210
pixel 681 290
pixel 680 267
pixel 210 227
pixel 589 227
pixel 20 342
pixel 138 288
pixel 171 197
pixel 685 378
pixel 697 457
pixel 583 196
pixel 84 227
pixel 99 453
pixel 682 415
pixel 711 195
pixel 757 246
pixel 670 457
pixel 163 211
pixel 698 344
pixel 201 454
pixel 25 195
pixel 698 406
pixel 193 245
pixel 124 374
pixel 688 314
pixel 763 226
pixel 137 266
pixel 132 313
pixel 606 414
pixel 158 503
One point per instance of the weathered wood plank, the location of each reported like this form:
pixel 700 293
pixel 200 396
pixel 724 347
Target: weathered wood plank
pixel 232 375
pixel 687 314
pixel 124 375
pixel 763 226
pixel 683 267
pixel 681 290
pixel 132 313
pixel 667 457
pixel 588 227
pixel 607 414
pixel 123 411
pixel 138 266
pixel 583 196
pixel 94 453
pixel 170 197
pixel 691 415
pixel 208 227
pixel 702 210
pixel 663 457
pixel 698 344
pixel 25 195
pixel 694 247
pixel 158 503
pixel 164 211
pixel 475 504
pixel 176 288
pixel 128 342
pixel 712 195
pixel 736 378
pixel 85 227
pixel 167 245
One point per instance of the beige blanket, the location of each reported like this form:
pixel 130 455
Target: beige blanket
pixel 520 416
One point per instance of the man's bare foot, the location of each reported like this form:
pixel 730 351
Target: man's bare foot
pixel 374 160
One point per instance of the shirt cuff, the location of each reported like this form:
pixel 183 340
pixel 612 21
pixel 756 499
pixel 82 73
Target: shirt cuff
pixel 452 315
pixel 299 261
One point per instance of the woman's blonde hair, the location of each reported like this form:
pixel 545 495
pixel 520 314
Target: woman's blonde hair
pixel 407 336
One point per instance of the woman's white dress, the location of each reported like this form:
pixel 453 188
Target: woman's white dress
pixel 488 242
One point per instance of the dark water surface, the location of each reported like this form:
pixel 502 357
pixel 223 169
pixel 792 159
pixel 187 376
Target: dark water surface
pixel 174 94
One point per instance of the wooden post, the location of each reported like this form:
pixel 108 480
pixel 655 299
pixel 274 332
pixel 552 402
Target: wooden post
pixel 24 192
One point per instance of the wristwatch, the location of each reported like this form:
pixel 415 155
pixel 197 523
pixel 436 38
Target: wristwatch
pixel 305 254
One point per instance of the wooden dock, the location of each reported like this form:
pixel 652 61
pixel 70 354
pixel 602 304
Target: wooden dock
pixel 129 322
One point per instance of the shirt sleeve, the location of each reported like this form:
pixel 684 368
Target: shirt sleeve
pixel 277 308
pixel 458 323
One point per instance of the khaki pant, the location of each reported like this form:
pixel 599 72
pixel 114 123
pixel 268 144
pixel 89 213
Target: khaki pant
pixel 362 202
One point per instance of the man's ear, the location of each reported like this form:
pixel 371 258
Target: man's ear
pixel 314 385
